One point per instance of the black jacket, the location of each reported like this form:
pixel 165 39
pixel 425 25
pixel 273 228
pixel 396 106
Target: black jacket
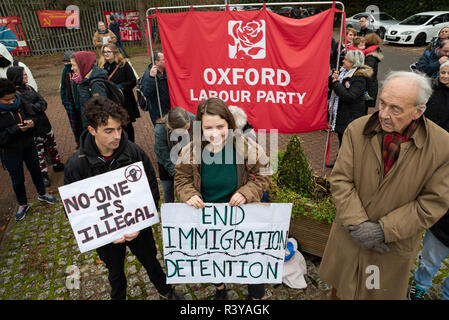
pixel 372 85
pixel 438 111
pixel 364 32
pixel 12 140
pixel 126 80
pixel 87 162
pixel 351 101
pixel 34 103
pixel 149 90
pixel 438 105
pixel 36 106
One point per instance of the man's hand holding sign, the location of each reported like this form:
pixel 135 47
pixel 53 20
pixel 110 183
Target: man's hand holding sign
pixel 111 207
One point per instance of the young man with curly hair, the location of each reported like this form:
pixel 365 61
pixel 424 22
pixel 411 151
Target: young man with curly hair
pixel 104 147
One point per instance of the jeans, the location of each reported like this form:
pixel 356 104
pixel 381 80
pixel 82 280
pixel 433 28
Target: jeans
pixel 14 165
pixel 120 47
pixel 143 247
pixel 430 258
pixel 169 191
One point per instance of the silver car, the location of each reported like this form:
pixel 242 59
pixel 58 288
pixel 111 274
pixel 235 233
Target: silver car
pixel 380 22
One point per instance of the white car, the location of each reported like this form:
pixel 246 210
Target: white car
pixel 380 22
pixel 418 29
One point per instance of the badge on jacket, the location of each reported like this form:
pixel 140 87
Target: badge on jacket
pixel 347 84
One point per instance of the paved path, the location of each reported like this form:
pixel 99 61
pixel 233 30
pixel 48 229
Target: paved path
pixel 37 253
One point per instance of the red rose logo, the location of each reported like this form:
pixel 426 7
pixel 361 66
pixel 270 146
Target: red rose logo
pixel 247 40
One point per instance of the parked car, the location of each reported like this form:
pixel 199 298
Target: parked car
pixel 380 22
pixel 418 29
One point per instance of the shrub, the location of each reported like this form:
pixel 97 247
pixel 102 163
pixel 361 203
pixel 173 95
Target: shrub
pixel 311 196
pixel 294 169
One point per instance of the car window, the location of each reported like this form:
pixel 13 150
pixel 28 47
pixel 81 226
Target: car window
pixel 384 16
pixel 416 20
pixel 438 19
pixel 446 17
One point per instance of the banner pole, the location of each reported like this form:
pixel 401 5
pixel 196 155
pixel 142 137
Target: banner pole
pixel 152 59
pixel 331 114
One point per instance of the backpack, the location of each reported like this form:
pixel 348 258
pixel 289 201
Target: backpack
pixel 112 91
pixel 141 99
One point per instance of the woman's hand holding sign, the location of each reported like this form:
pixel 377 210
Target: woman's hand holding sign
pixel 237 199
pixel 196 201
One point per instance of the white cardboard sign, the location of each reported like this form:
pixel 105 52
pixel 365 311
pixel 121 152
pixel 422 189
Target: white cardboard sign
pixel 103 208
pixel 221 243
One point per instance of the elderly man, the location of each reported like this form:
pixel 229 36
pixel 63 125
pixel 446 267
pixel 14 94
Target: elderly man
pixel 389 186
pixel 103 36
pixel 429 63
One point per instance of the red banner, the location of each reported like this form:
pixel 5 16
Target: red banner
pixel 55 18
pixel 12 37
pixel 275 68
pixel 128 20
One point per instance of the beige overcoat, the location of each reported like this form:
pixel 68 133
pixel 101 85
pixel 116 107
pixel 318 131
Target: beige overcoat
pixel 97 39
pixel 412 196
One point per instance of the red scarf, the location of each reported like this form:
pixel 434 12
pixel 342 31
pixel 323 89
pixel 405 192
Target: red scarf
pixel 392 145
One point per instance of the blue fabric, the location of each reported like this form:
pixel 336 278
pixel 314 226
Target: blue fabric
pixel 291 250
pixel 11 107
pixel 168 190
pixel 430 258
pixel 14 165
pixel 429 64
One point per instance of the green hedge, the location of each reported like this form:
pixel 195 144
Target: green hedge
pixel 295 183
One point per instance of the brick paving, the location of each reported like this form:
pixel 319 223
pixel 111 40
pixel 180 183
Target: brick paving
pixel 35 253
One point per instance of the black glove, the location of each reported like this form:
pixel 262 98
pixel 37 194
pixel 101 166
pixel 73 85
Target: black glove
pixel 367 234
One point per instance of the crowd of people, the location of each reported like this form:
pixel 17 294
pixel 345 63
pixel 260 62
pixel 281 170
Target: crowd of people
pixel 388 180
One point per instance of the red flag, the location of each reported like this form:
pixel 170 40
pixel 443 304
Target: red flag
pixel 58 18
pixel 275 68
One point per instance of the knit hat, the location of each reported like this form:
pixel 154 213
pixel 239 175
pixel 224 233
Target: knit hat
pixel 295 266
pixel 67 55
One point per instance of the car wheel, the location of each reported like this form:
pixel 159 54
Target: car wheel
pixel 420 39
pixel 381 32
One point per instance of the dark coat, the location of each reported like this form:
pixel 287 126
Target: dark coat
pixel 85 91
pixel 87 162
pixel 162 147
pixel 372 60
pixel 429 64
pixel 126 80
pixel 351 100
pixel 364 32
pixel 14 141
pixel 149 90
pixel 437 107
pixel 33 102
pixel 36 106
pixel 438 111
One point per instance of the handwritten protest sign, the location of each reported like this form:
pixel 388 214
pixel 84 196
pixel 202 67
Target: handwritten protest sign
pixel 103 208
pixel 221 243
